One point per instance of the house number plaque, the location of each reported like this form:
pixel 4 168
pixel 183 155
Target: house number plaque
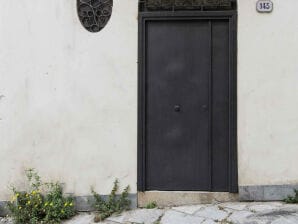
pixel 94 14
pixel 264 6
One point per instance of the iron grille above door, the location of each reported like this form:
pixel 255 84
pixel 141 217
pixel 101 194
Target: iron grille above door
pixel 174 5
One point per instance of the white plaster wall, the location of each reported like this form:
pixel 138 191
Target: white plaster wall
pixel 268 94
pixel 68 104
pixel 68 97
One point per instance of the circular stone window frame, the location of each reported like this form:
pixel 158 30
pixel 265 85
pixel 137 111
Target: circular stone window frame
pixel 94 15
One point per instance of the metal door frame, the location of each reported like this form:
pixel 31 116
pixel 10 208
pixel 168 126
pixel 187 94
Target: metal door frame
pixel 188 15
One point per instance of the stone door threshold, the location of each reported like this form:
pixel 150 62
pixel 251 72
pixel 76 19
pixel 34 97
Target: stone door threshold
pixel 177 198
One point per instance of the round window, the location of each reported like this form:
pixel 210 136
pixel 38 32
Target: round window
pixel 94 14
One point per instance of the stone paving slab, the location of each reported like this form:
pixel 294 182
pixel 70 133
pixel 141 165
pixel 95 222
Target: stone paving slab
pixel 239 216
pixel 191 209
pixel 219 213
pixel 143 216
pixel 213 212
pixel 5 221
pixel 82 218
pixel 209 221
pixel 265 207
pixel 237 206
pixel 174 217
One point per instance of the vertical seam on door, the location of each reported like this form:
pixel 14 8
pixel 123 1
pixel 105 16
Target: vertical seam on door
pixel 210 109
pixel 230 102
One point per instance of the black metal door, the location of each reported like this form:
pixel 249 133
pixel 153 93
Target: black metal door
pixel 187 126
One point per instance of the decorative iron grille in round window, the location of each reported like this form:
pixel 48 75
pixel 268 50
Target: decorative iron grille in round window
pixel 94 14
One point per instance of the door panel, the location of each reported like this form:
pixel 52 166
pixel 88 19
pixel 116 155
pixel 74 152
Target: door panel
pixel 178 67
pixel 187 109
pixel 220 105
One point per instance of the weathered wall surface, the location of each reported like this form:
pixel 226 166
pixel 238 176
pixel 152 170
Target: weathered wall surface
pixel 68 97
pixel 68 104
pixel 267 94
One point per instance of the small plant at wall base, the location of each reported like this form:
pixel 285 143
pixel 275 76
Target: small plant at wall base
pixel 292 200
pixel 33 206
pixel 151 205
pixel 114 204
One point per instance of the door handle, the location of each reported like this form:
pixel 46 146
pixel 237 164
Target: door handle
pixel 177 108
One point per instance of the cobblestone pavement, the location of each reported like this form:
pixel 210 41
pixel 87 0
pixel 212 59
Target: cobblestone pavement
pixel 224 213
